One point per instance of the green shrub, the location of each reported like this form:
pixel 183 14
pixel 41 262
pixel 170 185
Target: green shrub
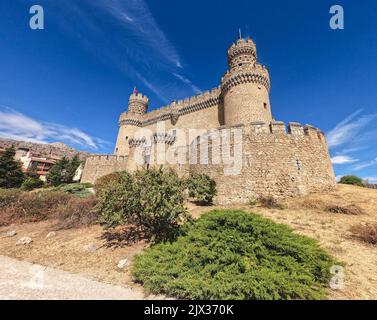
pixel 31 184
pixel 161 201
pixel 202 188
pixel 77 189
pixel 117 202
pixel 102 182
pixel 152 199
pixel 235 255
pixel 63 171
pixel 354 180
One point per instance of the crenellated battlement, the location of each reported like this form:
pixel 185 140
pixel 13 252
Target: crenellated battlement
pixel 275 128
pixel 139 98
pixel 97 166
pixel 293 129
pixel 138 104
pixel 181 107
pixel 247 153
pixel 106 157
pixel 244 52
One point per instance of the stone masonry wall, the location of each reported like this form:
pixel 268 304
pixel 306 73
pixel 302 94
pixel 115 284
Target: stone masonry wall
pixel 274 163
pixel 98 166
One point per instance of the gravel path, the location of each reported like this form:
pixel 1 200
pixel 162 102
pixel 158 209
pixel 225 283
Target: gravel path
pixel 23 280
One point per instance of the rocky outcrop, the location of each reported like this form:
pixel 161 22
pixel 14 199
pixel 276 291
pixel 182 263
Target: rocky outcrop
pixel 58 149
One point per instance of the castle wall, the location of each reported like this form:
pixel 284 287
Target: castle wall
pixel 274 160
pixel 274 163
pixel 98 166
pixel 204 119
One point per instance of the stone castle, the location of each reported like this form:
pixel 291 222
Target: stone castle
pixel 273 159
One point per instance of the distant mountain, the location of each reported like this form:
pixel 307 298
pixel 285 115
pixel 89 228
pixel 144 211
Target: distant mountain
pixel 58 149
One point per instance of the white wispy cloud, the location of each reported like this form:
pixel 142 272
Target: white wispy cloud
pixel 157 91
pixel 136 16
pixel 17 126
pixel 342 160
pixel 187 81
pixel 350 129
pixel 126 35
pixel 365 164
pixel 147 54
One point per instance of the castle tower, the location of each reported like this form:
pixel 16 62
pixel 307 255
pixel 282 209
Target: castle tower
pixel 130 122
pixel 245 86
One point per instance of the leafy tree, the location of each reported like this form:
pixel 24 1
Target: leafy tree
pixel 202 188
pixel 11 175
pixel 33 172
pixel 354 180
pixel 32 180
pixel 74 163
pixel 63 171
pixel 57 173
pixel 152 200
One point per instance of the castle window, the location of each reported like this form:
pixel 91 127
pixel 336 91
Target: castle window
pixel 240 64
pixel 116 150
pixel 174 133
pixel 265 105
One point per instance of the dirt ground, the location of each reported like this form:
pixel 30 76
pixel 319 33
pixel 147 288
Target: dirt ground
pixel 306 215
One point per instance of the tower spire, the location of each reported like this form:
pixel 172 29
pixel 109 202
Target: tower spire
pixel 239 34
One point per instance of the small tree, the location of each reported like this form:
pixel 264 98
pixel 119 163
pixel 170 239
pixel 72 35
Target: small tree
pixel 354 180
pixel 57 173
pixel 161 201
pixel 32 180
pixel 152 200
pixel 74 163
pixel 11 175
pixel 202 188
pixel 63 171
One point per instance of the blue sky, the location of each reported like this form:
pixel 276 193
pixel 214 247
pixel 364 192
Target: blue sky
pixel 71 81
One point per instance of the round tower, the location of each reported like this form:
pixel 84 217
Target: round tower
pixel 245 86
pixel 130 122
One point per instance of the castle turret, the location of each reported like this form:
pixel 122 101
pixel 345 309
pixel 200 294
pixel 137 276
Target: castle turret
pixel 130 122
pixel 245 86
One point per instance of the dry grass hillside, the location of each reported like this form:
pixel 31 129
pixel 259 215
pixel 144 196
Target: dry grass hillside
pixel 333 219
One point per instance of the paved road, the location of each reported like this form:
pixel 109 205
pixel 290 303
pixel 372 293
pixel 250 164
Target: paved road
pixel 23 280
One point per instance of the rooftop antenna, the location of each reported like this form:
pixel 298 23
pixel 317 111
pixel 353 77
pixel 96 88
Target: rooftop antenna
pixel 239 33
